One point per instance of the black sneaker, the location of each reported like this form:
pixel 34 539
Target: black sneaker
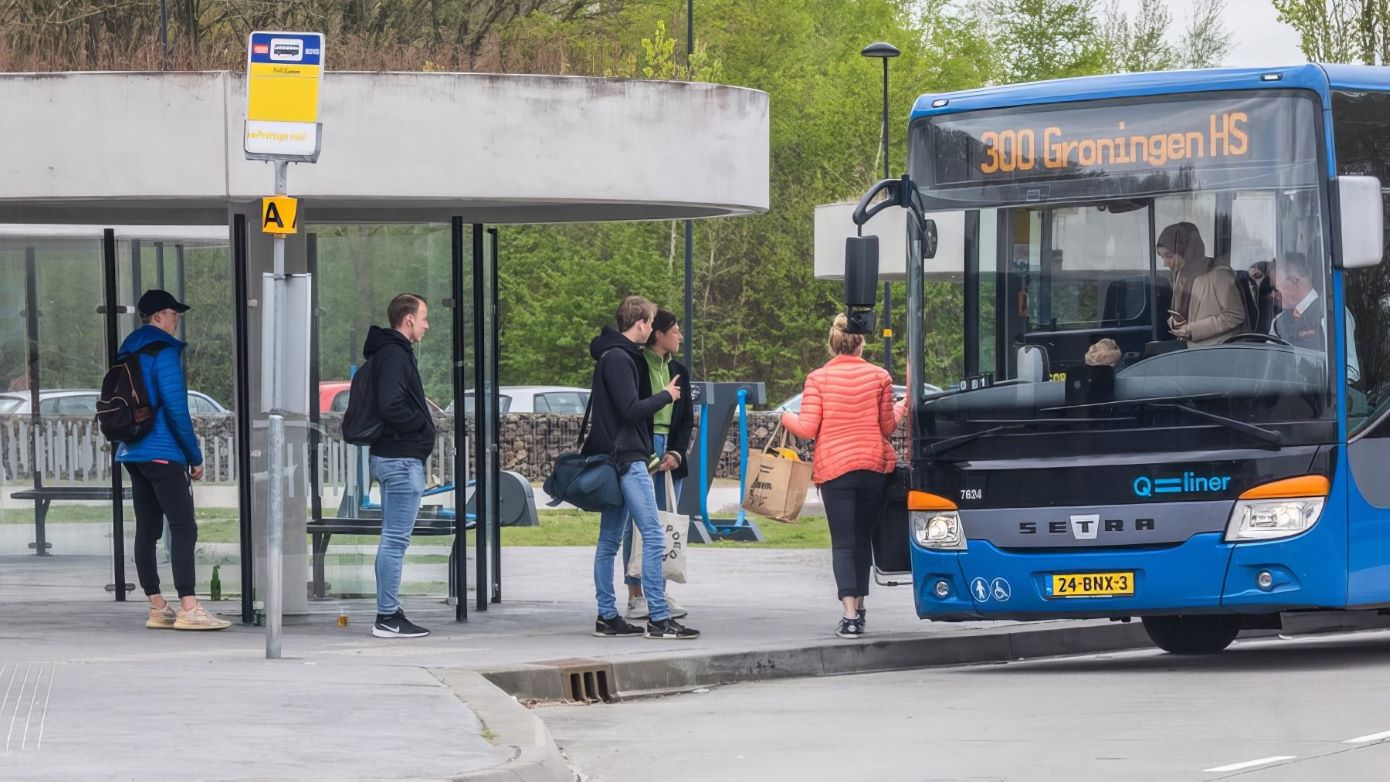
pixel 850 628
pixel 397 626
pixel 863 617
pixel 671 630
pixel 615 627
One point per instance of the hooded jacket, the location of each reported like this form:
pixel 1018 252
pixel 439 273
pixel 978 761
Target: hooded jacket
pixel 172 438
pixel 622 399
pixel 400 395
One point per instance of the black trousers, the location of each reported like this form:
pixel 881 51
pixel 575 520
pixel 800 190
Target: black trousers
pixel 853 502
pixel 159 490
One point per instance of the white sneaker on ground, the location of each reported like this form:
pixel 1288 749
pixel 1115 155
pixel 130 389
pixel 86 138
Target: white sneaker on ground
pixel 637 608
pixel 677 610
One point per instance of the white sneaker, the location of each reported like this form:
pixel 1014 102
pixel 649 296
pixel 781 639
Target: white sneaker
pixel 677 610
pixel 637 608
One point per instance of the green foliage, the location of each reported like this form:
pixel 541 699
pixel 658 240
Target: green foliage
pixel 1340 31
pixel 1049 39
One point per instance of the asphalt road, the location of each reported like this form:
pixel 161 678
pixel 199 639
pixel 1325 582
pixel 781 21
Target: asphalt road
pixel 1276 709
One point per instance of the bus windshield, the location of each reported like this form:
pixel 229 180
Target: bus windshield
pixel 1134 276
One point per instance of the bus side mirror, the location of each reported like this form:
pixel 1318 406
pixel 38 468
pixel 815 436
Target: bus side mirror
pixel 1362 213
pixel 861 282
pixel 928 240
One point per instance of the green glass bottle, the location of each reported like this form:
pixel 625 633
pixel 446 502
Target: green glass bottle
pixel 216 583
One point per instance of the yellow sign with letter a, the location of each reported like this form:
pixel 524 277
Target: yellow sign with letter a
pixel 279 215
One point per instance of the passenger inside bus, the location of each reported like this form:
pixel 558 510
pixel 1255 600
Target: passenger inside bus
pixel 1303 321
pixel 1261 277
pixel 1207 305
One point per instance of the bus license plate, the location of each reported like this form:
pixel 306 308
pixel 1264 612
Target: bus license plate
pixel 1092 584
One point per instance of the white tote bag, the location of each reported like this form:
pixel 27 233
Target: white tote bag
pixel 675 527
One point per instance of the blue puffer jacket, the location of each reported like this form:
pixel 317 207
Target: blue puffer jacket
pixel 172 438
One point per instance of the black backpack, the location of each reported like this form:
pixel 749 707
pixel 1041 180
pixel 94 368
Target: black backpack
pixel 362 423
pixel 124 413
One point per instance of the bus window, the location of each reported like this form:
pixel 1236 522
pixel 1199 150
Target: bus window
pixel 1363 148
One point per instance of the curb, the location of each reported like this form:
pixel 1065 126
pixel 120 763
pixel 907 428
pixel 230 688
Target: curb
pixel 647 676
pixel 535 758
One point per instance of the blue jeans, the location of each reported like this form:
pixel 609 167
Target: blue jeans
pixel 659 480
pixel 402 484
pixel 639 500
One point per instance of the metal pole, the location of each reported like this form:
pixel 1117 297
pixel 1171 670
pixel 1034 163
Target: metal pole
pixel 164 33
pixel 243 417
pixel 459 575
pixel 31 327
pixel 179 281
pixel 275 529
pixel 108 262
pixel 887 286
pixel 689 224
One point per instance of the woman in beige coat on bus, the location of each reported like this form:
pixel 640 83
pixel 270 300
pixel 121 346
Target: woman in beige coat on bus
pixel 1206 303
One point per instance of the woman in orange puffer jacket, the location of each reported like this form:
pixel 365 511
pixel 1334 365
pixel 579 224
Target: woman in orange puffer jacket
pixel 847 408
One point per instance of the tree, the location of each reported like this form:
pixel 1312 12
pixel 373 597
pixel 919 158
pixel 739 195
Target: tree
pixel 1206 40
pixel 1140 44
pixel 1049 39
pixel 1340 31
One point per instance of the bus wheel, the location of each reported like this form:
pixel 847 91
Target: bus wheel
pixel 1203 634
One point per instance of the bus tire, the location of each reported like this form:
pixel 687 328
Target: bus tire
pixel 1200 634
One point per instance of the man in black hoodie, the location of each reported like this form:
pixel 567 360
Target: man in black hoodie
pixel 399 453
pixel 623 406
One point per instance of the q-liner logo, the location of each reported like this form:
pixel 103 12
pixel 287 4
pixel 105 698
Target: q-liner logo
pixel 1187 483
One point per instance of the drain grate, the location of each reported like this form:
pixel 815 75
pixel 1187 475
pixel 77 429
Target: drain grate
pixel 588 683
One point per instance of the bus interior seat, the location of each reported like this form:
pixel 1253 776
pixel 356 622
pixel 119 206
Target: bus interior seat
pixel 1247 300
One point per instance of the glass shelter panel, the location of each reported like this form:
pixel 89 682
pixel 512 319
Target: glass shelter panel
pixel 358 270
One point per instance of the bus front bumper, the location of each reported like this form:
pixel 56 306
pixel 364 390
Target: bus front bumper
pixel 1202 575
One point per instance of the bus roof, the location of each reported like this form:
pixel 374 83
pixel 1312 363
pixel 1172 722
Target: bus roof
pixel 1318 78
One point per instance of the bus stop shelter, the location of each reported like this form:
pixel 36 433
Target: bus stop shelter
pixel 116 182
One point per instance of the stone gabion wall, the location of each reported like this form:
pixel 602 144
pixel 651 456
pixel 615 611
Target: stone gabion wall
pixel 531 441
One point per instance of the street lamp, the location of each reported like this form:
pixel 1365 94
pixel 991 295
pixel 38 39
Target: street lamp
pixel 885 51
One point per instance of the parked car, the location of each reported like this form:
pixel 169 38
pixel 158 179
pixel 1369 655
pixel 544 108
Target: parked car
pixel 333 397
pixel 83 402
pixel 793 405
pixel 534 399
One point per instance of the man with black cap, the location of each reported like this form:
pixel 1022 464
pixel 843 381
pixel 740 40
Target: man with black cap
pixel 161 465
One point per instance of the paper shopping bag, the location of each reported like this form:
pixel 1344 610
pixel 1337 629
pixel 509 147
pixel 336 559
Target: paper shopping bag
pixel 779 485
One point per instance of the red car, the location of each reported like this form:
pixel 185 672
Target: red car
pixel 333 397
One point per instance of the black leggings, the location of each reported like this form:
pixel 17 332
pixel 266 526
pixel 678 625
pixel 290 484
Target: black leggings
pixel 159 490
pixel 852 505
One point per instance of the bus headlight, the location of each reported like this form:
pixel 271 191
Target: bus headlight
pixel 938 529
pixel 1272 519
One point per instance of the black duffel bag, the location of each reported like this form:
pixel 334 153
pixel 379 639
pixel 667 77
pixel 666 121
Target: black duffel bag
pixel 587 481
pixel 892 551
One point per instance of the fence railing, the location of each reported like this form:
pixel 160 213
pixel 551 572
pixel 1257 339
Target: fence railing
pixel 72 449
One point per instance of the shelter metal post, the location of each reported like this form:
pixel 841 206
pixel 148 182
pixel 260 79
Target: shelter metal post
pixel 459 577
pixel 108 263
pixel 243 417
pixel 31 330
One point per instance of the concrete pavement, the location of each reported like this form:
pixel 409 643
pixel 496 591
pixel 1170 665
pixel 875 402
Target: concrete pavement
pixel 342 704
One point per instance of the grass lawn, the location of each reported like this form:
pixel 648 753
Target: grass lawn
pixel 558 528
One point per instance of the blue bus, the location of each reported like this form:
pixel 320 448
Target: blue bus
pixel 1175 358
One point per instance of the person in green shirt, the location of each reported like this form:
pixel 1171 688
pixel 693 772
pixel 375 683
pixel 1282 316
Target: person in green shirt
pixel 671 430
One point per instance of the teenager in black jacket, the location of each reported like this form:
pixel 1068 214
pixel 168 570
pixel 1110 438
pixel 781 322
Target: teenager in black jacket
pixel 399 453
pixel 671 427
pixel 623 406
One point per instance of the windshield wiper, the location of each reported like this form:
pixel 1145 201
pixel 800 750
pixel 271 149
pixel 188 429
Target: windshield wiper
pixel 1179 403
pixel 1258 432
pixel 941 446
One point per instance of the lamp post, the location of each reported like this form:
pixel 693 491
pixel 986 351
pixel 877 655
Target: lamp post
pixel 885 51
pixel 689 226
